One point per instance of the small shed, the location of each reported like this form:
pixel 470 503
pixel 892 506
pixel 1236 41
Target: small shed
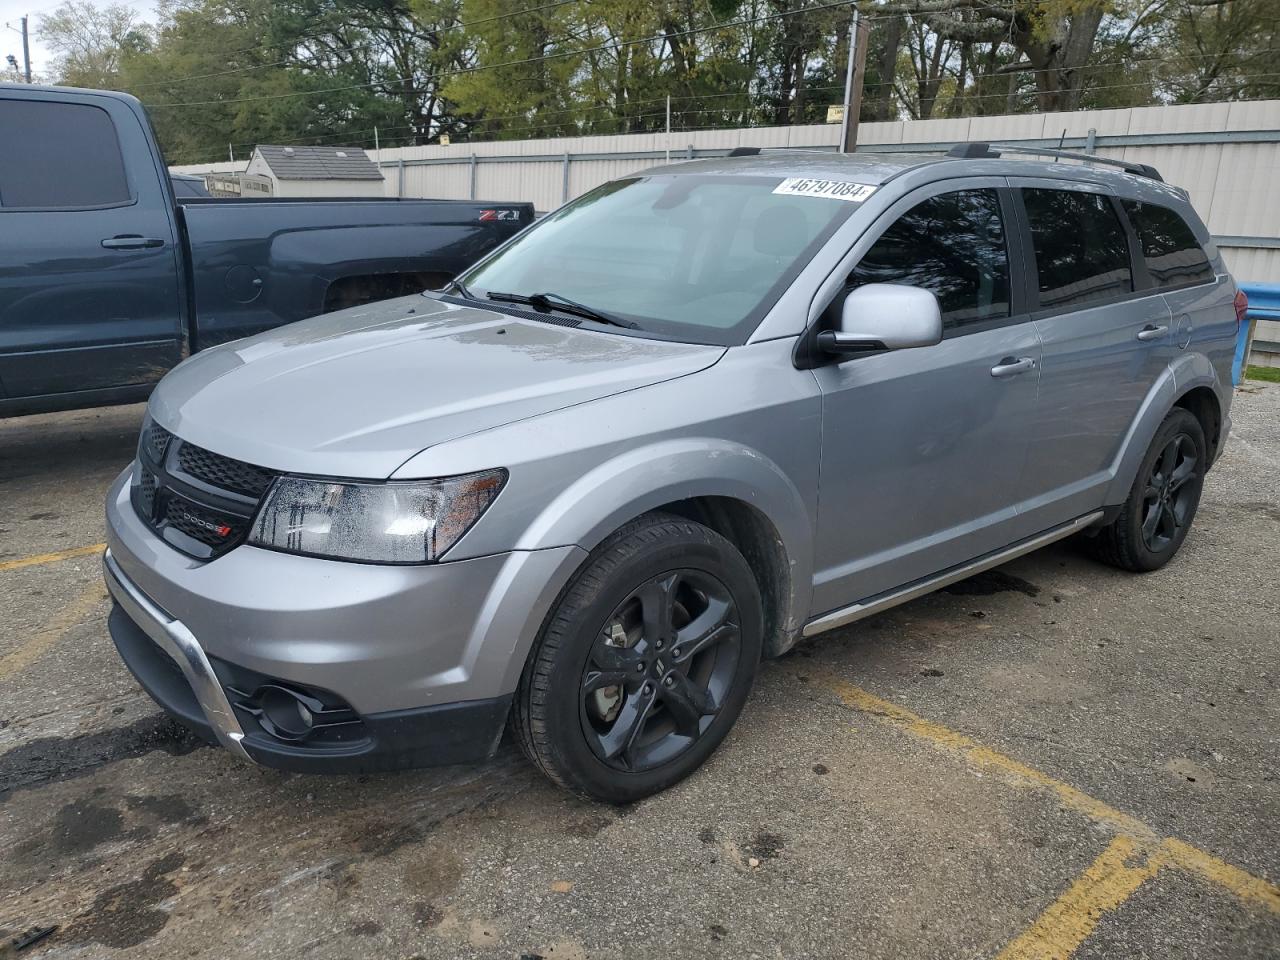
pixel 316 171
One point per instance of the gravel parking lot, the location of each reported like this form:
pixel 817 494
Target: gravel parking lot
pixel 1050 759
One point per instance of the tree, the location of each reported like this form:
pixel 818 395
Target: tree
pixel 90 42
pixel 213 72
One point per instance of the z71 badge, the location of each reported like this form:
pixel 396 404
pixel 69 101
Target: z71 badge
pixel 499 214
pixel 829 189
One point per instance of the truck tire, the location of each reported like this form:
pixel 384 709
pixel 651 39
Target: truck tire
pixel 644 663
pixel 1155 518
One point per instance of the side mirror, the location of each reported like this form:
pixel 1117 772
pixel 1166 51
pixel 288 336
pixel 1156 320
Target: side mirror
pixel 885 316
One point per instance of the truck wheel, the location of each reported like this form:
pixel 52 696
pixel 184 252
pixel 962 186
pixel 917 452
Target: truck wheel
pixel 644 663
pixel 1158 512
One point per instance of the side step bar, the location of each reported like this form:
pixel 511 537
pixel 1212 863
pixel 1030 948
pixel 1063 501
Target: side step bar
pixel 865 608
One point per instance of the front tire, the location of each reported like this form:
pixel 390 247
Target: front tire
pixel 1157 515
pixel 644 663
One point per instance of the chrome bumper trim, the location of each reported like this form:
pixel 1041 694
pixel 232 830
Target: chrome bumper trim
pixel 177 641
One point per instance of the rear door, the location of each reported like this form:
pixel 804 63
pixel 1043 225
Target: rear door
pixel 89 289
pixel 922 450
pixel 1107 335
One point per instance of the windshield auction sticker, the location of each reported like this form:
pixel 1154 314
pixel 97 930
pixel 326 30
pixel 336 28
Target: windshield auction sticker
pixel 830 189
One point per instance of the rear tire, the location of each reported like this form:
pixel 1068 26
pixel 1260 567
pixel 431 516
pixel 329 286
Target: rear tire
pixel 644 663
pixel 1156 516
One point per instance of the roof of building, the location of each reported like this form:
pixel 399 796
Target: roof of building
pixel 319 163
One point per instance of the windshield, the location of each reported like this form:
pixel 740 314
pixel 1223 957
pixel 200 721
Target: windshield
pixel 694 258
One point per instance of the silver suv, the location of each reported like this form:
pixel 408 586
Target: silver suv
pixel 684 421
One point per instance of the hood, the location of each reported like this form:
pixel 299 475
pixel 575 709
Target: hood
pixel 358 392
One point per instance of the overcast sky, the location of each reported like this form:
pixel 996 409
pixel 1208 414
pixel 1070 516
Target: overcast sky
pixel 12 12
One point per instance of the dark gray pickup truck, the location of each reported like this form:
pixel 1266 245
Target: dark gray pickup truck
pixel 107 281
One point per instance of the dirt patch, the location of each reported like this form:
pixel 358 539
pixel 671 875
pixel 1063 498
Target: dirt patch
pixel 991 582
pixel 53 759
pixel 129 913
pixel 765 845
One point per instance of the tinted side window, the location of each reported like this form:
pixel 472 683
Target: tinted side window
pixel 1169 246
pixel 952 244
pixel 1082 254
pixel 59 155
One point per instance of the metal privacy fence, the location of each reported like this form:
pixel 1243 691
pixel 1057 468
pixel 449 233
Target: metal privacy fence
pixel 1226 154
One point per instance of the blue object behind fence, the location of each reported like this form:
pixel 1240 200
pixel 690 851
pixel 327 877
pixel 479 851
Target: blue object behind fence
pixel 1264 304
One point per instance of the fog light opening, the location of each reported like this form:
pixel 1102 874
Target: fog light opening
pixel 284 715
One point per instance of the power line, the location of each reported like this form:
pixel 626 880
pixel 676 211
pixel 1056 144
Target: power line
pixel 542 115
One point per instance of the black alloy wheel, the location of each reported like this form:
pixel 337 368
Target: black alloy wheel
pixel 644 663
pixel 1155 518
pixel 1171 493
pixel 659 670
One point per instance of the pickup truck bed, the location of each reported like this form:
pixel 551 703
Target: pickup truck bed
pixel 107 281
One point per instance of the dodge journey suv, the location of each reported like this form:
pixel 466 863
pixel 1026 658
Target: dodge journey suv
pixel 682 422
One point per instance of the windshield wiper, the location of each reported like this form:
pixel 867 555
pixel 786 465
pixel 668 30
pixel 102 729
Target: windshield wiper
pixel 461 288
pixel 554 301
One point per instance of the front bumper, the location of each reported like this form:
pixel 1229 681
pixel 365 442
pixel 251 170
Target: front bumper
pixel 202 704
pixel 420 661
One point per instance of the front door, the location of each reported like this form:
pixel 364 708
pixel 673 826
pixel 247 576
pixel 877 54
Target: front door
pixel 89 291
pixel 922 450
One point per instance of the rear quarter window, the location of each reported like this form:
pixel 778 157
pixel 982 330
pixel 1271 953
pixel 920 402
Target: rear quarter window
pixel 59 156
pixel 1174 257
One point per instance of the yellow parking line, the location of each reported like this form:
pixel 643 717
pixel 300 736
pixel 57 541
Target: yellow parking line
pixel 1244 885
pixel 1111 880
pixel 71 615
pixel 1168 852
pixel 51 557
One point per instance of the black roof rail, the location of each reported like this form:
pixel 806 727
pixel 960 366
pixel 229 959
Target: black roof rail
pixel 744 152
pixel 981 151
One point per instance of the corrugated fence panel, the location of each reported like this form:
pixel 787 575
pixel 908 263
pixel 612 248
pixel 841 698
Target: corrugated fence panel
pixel 586 175
pixel 1227 155
pixel 1246 199
pixel 438 180
pixel 1252 264
pixel 539 183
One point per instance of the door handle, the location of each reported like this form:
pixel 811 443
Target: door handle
pixel 132 243
pixel 1012 366
pixel 1152 332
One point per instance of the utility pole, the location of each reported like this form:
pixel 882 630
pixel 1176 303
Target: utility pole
pixel 854 79
pixel 668 128
pixel 26 51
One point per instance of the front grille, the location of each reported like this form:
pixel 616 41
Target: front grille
pixel 146 492
pixel 223 472
pixel 213 528
pixel 199 501
pixel 155 439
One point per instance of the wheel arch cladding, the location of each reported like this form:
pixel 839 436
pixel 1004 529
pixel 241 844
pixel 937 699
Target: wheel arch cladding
pixel 757 539
pixel 731 488
pixel 1203 404
pixel 1190 383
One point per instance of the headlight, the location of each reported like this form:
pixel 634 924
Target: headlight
pixel 392 522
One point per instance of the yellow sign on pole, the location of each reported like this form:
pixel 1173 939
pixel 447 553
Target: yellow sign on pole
pixel 444 139
pixel 835 113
